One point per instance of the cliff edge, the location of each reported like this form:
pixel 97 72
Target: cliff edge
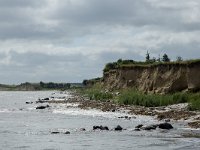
pixel 159 78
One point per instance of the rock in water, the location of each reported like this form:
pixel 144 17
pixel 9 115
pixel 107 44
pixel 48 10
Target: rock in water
pixel 42 107
pixel 118 128
pixel 165 126
pixel 67 132
pixel 150 127
pixel 55 132
pixel 139 126
pixel 100 128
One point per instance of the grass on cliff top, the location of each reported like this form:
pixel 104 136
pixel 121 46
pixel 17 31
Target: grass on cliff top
pixel 133 97
pixel 140 64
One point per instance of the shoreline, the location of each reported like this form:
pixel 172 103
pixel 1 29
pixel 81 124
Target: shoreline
pixel 177 112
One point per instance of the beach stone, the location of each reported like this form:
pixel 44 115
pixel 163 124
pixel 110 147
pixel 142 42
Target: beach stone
pixel 105 128
pixel 139 126
pixel 100 128
pixel 126 117
pixel 118 128
pixel 150 127
pixel 82 129
pixel 55 132
pixel 165 125
pixel 42 107
pixel 67 132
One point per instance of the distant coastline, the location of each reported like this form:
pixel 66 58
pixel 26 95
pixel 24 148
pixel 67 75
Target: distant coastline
pixel 27 86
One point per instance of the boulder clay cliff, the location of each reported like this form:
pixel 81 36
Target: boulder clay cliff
pixel 160 78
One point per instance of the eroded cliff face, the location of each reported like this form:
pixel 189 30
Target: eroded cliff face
pixel 164 78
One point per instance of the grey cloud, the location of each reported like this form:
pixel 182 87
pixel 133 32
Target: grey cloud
pixel 21 3
pixel 74 19
pixel 90 33
pixel 131 13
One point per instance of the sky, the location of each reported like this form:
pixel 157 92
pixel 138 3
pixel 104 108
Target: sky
pixel 72 40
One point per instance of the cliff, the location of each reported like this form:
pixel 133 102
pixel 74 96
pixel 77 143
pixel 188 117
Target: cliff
pixel 158 78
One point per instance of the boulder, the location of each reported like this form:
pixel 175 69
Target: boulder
pixel 42 107
pixel 165 125
pixel 118 128
pixel 150 127
pixel 29 102
pixel 55 132
pixel 100 128
pixel 139 126
pixel 67 132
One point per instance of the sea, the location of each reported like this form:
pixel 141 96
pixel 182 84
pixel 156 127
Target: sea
pixel 23 127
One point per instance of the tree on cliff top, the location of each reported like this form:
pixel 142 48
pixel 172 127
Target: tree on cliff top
pixel 165 58
pixel 147 57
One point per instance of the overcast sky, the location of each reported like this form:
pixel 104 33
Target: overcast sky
pixel 71 40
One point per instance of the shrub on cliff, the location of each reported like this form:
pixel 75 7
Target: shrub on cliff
pixel 165 58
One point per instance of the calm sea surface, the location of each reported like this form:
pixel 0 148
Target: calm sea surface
pixel 25 128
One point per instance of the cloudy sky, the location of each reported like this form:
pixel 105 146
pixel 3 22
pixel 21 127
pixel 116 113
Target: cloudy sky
pixel 71 40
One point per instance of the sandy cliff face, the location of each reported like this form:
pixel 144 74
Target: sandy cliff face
pixel 164 78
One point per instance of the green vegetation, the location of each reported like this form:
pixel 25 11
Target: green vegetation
pixel 52 85
pixel 194 101
pixel 151 63
pixel 96 93
pixel 133 97
pixel 165 58
pixel 91 81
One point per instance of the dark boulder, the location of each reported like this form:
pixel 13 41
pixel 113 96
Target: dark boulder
pixel 45 99
pixel 55 132
pixel 42 107
pixel 165 125
pixel 105 128
pixel 139 126
pixel 29 102
pixel 67 132
pixel 118 128
pixel 100 128
pixel 150 127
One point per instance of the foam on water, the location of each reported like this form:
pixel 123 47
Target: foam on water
pixel 99 113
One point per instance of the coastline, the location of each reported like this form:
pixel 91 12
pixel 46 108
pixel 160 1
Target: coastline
pixel 177 112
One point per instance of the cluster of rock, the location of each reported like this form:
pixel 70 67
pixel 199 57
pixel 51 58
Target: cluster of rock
pixel 165 125
pixel 140 127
